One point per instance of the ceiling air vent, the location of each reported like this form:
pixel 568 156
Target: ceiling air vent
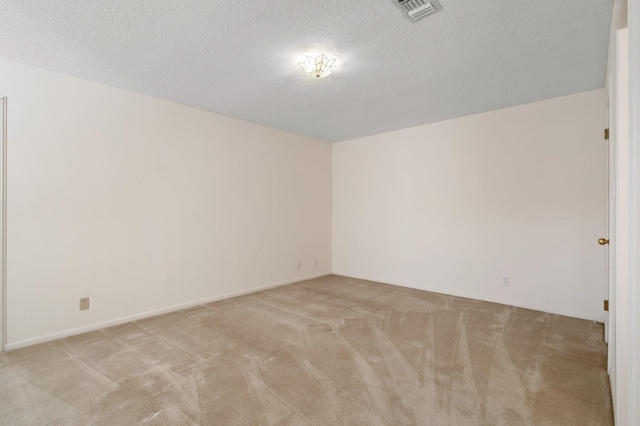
pixel 417 9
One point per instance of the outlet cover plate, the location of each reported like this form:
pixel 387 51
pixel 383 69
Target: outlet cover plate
pixel 84 304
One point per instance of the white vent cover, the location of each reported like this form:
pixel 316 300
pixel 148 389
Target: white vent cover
pixel 417 9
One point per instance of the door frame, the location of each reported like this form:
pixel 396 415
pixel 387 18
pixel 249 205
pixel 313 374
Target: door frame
pixel 632 327
pixel 3 230
pixel 623 237
pixel 624 318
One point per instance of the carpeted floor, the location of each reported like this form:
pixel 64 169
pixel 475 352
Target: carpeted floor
pixel 330 351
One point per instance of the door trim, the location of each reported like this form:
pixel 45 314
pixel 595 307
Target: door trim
pixel 3 232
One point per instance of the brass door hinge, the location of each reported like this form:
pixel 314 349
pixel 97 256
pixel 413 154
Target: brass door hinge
pixel 606 305
pixel 606 134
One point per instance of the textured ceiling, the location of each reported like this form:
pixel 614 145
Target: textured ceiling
pixel 239 58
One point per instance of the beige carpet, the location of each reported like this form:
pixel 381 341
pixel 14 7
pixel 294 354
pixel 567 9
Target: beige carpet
pixel 330 351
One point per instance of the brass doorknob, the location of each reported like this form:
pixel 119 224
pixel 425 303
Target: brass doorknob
pixel 603 241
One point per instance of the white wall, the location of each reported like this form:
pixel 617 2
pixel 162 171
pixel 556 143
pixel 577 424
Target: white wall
pixel 145 205
pixel 455 206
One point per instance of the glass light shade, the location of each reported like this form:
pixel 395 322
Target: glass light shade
pixel 317 67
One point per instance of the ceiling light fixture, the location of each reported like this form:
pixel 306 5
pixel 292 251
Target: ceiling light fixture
pixel 318 67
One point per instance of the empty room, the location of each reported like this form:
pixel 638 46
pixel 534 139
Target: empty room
pixel 366 212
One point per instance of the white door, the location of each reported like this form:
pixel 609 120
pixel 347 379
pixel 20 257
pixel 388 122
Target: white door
pixel 610 277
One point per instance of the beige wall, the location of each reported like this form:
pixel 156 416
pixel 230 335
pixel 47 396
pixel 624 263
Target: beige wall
pixel 455 206
pixel 145 205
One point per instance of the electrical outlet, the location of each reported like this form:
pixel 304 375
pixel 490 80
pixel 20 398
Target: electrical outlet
pixel 299 265
pixel 505 281
pixel 84 303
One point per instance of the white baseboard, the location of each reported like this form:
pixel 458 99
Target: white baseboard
pixel 472 296
pixel 98 326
